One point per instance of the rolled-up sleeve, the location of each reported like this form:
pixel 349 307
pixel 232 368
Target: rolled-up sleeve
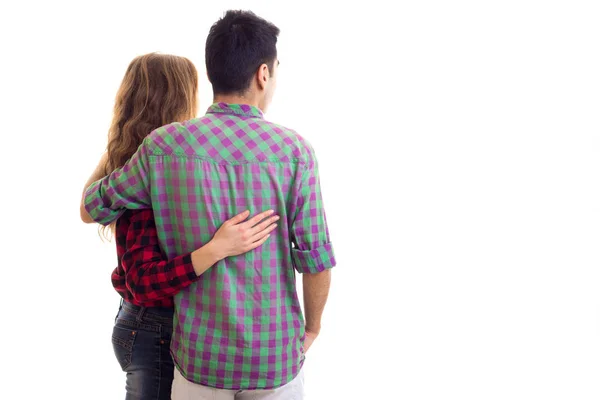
pixel 313 261
pixel 312 250
pixel 125 188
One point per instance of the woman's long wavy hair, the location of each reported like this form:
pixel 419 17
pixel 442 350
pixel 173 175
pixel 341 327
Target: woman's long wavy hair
pixel 157 89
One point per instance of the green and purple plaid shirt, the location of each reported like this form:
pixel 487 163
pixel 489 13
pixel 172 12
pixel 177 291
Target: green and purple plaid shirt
pixel 240 326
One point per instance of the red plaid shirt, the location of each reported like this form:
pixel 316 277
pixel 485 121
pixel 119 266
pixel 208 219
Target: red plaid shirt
pixel 144 276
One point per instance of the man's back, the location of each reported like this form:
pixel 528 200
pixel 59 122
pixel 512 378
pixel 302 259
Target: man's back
pixel 210 168
pixel 240 325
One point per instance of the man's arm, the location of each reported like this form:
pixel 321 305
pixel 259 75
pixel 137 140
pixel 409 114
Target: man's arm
pixel 125 188
pixel 312 252
pixel 316 290
pixel 98 173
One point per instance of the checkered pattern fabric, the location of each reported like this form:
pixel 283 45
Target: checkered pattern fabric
pixel 143 275
pixel 239 326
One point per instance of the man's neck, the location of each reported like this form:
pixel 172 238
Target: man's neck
pixel 236 99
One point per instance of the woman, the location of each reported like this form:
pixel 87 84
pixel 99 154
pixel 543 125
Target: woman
pixel 156 90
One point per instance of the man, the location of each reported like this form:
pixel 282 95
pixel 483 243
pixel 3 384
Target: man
pixel 239 330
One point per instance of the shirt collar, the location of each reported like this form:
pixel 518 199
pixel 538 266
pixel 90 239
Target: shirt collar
pixel 237 109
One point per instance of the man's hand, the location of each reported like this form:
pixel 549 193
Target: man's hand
pixel 98 173
pixel 309 339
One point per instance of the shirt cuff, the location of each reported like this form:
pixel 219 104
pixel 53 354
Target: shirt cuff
pixel 315 260
pixel 190 274
pixel 94 205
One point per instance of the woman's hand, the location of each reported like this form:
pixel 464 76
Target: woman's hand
pixel 236 237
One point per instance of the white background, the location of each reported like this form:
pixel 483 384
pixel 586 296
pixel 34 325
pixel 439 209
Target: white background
pixel 459 150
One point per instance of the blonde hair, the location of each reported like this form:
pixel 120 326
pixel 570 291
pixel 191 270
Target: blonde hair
pixel 157 89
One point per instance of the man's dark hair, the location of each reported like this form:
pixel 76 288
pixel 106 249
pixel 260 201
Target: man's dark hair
pixel 236 46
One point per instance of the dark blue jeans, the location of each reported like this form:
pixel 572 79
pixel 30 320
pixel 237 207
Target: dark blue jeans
pixel 141 339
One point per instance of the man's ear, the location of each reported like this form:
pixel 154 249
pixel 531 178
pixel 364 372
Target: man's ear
pixel 263 74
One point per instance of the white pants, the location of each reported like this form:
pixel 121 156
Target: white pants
pixel 186 390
